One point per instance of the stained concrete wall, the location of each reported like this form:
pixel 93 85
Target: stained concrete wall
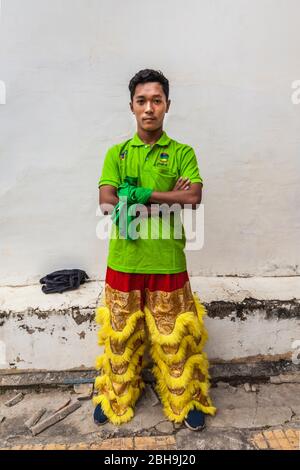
pixel 66 64
pixel 59 332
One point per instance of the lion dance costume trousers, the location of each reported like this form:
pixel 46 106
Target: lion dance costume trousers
pixel 159 310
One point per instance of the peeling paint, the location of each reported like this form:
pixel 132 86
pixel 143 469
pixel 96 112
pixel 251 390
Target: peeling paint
pixel 30 331
pixel 271 309
pixel 18 359
pixel 4 315
pixel 40 330
pixel 80 317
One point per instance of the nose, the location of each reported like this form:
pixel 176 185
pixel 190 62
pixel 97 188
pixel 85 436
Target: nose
pixel 149 107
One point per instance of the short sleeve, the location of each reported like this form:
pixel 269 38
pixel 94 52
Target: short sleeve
pixel 189 166
pixel 110 171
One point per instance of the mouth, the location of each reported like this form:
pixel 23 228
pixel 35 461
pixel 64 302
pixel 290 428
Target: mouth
pixel 149 119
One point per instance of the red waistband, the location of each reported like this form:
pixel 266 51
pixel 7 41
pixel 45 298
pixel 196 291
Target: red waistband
pixel 126 282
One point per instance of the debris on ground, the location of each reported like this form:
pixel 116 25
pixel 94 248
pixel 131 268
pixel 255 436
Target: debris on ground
pixel 34 419
pixel 13 401
pixel 84 391
pixel 63 404
pixel 51 420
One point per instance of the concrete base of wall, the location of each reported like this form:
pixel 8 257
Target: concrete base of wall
pixel 250 320
pixel 233 373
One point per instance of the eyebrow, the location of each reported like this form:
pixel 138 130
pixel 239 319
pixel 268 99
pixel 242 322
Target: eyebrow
pixel 143 96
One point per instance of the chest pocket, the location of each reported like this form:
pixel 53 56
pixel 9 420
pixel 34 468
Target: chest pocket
pixel 159 179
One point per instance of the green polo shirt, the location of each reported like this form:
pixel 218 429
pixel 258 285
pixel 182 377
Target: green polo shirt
pixel 157 167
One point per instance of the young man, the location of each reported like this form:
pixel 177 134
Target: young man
pixel 147 289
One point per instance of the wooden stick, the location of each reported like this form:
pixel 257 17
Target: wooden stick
pixel 46 423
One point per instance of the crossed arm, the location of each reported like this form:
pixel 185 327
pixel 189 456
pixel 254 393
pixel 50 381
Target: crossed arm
pixel 183 193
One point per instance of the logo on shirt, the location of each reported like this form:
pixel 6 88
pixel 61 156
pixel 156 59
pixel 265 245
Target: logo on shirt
pixel 163 159
pixel 123 155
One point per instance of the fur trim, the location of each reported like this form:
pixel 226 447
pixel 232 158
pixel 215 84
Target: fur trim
pixel 103 317
pixel 187 342
pixel 179 418
pixel 129 350
pixel 128 398
pixel 183 321
pixel 109 412
pixel 198 360
pixel 103 363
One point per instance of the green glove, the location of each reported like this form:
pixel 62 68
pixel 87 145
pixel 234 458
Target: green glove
pixel 129 194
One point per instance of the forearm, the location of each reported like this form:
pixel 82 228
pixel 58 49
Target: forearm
pixel 108 204
pixel 175 197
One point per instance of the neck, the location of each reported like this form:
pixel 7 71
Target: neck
pixel 150 137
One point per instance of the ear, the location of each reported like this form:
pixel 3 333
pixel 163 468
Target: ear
pixel 131 106
pixel 168 105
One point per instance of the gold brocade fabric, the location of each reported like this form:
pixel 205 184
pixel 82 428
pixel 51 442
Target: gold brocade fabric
pixel 166 306
pixel 121 305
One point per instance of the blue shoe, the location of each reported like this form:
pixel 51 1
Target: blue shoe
pixel 195 420
pixel 99 416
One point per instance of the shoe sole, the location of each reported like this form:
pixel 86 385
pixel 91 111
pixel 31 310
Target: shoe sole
pixel 198 428
pixel 100 424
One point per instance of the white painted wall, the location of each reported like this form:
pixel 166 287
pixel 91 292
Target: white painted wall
pixel 66 65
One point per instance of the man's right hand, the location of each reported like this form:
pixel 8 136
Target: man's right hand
pixel 182 184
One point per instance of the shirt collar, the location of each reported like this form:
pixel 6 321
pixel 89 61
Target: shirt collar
pixel 163 141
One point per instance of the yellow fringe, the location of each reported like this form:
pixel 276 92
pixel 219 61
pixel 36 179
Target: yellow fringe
pixel 194 324
pixel 179 418
pixel 126 356
pixel 100 381
pixel 103 363
pixel 187 342
pixel 198 360
pixel 180 401
pixel 128 398
pixel 186 319
pixel 199 306
pixel 103 317
pixel 109 412
pixel 191 387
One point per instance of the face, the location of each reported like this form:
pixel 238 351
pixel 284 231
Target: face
pixel 149 105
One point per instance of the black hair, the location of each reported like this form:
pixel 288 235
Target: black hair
pixel 146 76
